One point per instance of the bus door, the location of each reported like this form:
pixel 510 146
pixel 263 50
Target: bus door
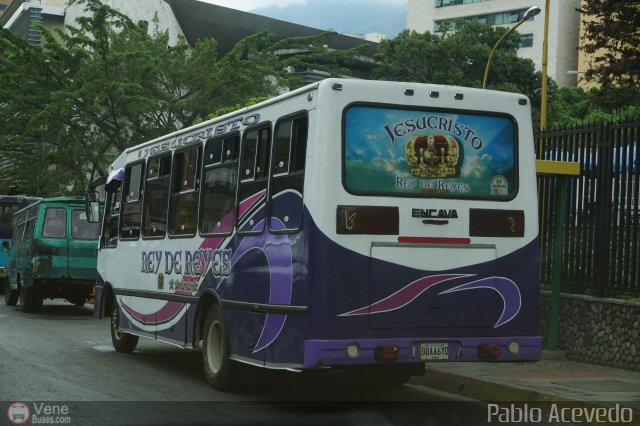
pixel 54 243
pixel 83 245
pixel 445 185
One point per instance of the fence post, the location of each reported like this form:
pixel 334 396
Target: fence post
pixel 558 258
pixel 561 170
pixel 603 210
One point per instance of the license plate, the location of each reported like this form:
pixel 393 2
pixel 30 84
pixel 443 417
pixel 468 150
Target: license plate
pixel 430 351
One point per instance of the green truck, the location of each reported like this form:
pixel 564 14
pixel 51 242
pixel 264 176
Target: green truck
pixel 53 254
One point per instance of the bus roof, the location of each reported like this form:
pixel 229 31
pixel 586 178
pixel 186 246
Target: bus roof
pixel 59 200
pixel 304 89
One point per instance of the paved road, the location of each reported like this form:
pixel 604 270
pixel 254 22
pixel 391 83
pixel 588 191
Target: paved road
pixel 63 356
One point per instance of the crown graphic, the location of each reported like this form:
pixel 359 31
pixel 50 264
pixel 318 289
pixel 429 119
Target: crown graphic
pixel 434 156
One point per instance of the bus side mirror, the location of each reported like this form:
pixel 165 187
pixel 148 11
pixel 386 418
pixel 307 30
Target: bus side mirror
pixel 92 207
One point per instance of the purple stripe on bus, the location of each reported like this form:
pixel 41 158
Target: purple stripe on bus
pixel 506 288
pixel 277 250
pixel 166 313
pixel 404 296
pixel 249 202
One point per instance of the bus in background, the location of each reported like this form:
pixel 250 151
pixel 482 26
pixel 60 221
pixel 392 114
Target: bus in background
pixel 53 254
pixel 366 226
pixel 9 204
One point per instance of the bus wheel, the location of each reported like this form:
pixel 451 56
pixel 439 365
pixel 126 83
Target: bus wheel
pixel 122 342
pixel 31 299
pixel 79 300
pixel 11 296
pixel 219 370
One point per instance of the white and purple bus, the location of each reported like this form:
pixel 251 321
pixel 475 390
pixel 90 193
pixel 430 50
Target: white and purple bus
pixel 367 226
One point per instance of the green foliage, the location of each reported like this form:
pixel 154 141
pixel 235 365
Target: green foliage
pixel 611 35
pixel 226 110
pixel 612 39
pixel 573 106
pixel 109 83
pixel 459 58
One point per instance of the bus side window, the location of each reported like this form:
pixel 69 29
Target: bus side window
pixel 20 226
pixel 32 216
pixel 156 196
pixel 289 155
pixel 217 214
pixel 31 227
pixel 111 215
pixel 183 209
pixel 132 202
pixel 254 165
pixel 55 223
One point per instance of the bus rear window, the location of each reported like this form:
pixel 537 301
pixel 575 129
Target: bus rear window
pixel 418 153
pixel 81 229
pixel 6 213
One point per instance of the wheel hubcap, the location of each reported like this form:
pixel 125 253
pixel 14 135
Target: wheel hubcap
pixel 214 347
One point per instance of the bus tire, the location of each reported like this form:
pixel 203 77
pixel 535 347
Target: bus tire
pixel 220 371
pixel 11 296
pixel 31 299
pixel 122 342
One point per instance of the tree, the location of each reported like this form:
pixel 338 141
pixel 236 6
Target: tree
pixel 459 58
pixel 573 106
pixel 108 84
pixel 611 35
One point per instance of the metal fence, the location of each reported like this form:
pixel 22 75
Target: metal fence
pixel 601 238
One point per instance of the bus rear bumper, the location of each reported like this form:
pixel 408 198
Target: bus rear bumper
pixel 318 353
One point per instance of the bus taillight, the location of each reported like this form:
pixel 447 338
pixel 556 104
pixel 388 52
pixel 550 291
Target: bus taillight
pixel 488 351
pixel 386 353
pixel 47 250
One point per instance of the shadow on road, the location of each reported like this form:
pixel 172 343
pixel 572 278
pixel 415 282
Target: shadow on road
pixel 60 311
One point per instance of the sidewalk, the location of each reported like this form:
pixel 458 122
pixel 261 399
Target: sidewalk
pixel 548 380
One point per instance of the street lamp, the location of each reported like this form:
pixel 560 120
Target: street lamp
pixel 530 13
pixel 545 54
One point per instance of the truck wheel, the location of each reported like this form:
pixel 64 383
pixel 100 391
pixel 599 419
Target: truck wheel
pixel 11 296
pixel 122 342
pixel 220 371
pixel 31 299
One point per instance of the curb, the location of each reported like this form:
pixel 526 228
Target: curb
pixel 479 389
pixel 491 391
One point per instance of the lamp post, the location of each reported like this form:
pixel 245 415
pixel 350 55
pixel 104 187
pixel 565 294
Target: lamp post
pixel 545 54
pixel 530 13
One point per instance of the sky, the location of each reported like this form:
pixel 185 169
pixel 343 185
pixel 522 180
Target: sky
pixel 355 16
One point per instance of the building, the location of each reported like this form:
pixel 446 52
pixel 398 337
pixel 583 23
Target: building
pixel 140 10
pixel 563 33
pixel 190 19
pixel 3 5
pixel 20 16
